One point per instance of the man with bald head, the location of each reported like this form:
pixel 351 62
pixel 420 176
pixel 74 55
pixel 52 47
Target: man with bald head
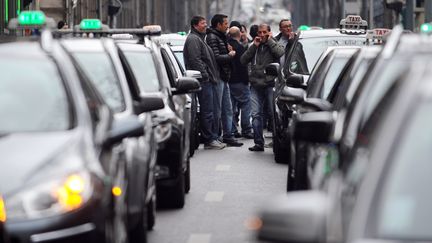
pixel 262 52
pixel 239 85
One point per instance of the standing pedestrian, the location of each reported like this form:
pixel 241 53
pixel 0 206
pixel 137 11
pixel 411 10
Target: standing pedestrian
pixel 286 36
pixel 217 40
pixel 199 56
pixel 263 51
pixel 239 85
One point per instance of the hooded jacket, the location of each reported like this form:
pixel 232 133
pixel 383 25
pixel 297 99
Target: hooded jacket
pixel 260 57
pixel 199 56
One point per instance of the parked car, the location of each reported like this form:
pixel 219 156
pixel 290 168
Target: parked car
pixel 300 60
pixel 380 191
pixel 173 174
pixel 99 60
pixel 64 155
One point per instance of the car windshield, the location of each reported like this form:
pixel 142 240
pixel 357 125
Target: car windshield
pixel 144 70
pixel 32 96
pixel 99 68
pixel 311 49
pixel 405 207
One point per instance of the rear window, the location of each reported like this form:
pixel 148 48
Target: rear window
pixel 99 68
pixel 33 98
pixel 144 70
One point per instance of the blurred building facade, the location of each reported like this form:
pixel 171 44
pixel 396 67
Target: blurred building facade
pixel 172 15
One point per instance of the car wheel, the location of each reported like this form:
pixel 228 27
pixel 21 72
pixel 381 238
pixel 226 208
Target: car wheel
pixel 139 233
pixel 301 167
pixel 151 213
pixel 281 155
pixel 187 177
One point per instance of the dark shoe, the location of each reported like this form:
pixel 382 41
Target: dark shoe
pixel 248 135
pixel 256 148
pixel 232 143
pixel 237 135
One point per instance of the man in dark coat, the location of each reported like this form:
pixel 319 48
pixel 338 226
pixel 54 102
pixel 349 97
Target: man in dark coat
pixel 217 40
pixel 199 56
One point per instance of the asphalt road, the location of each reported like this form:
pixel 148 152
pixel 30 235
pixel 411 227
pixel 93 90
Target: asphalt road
pixel 227 188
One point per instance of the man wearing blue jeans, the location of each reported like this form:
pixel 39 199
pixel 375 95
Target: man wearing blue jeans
pixel 199 56
pixel 217 40
pixel 263 51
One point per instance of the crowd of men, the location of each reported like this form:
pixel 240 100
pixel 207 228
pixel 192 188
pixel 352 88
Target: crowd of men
pixel 233 79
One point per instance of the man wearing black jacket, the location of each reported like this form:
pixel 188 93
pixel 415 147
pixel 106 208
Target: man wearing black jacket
pixel 239 84
pixel 216 38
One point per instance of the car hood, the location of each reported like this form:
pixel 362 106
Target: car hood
pixel 27 158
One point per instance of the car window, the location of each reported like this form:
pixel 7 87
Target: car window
pixel 180 59
pixel 172 74
pixel 405 202
pixel 32 96
pixel 311 49
pixel 99 68
pixel 144 70
pixel 332 74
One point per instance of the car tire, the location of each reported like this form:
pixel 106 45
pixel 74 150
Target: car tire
pixel 301 167
pixel 172 196
pixel 151 213
pixel 139 233
pixel 187 177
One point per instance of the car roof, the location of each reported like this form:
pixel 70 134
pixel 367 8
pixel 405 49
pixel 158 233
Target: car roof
pixel 331 33
pixel 132 47
pixel 84 45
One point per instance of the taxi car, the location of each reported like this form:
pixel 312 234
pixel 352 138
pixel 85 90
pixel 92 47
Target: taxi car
pixel 99 60
pixel 63 153
pixel 300 59
pixel 380 192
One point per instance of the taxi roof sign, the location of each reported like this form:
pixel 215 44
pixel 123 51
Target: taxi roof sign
pixel 426 28
pixel 32 18
pixel 377 35
pixel 153 29
pixel 304 27
pixel 353 22
pixel 90 24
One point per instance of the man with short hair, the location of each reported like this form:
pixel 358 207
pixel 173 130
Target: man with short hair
pixel 263 51
pixel 217 40
pixel 239 86
pixel 286 36
pixel 199 56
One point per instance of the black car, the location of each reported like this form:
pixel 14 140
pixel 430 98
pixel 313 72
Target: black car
pixel 381 192
pixel 173 169
pixel 300 59
pixel 99 60
pixel 64 173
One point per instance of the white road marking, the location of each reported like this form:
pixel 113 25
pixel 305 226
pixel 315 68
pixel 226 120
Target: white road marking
pixel 223 167
pixel 214 196
pixel 199 238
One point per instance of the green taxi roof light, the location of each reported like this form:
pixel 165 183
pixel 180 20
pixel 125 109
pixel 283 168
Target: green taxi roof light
pixel 31 18
pixel 182 33
pixel 426 27
pixel 90 24
pixel 304 27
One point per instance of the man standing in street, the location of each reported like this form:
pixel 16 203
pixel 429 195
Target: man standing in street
pixel 286 36
pixel 239 85
pixel 263 51
pixel 199 56
pixel 217 40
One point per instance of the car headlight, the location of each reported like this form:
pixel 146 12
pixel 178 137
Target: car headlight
pixel 50 198
pixel 2 211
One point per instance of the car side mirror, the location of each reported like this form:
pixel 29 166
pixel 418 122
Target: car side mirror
pixel 295 80
pixel 291 95
pixel 296 217
pixel 148 103
pixel 186 85
pixel 193 74
pixel 123 128
pixel 317 104
pixel 314 126
pixel 272 70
